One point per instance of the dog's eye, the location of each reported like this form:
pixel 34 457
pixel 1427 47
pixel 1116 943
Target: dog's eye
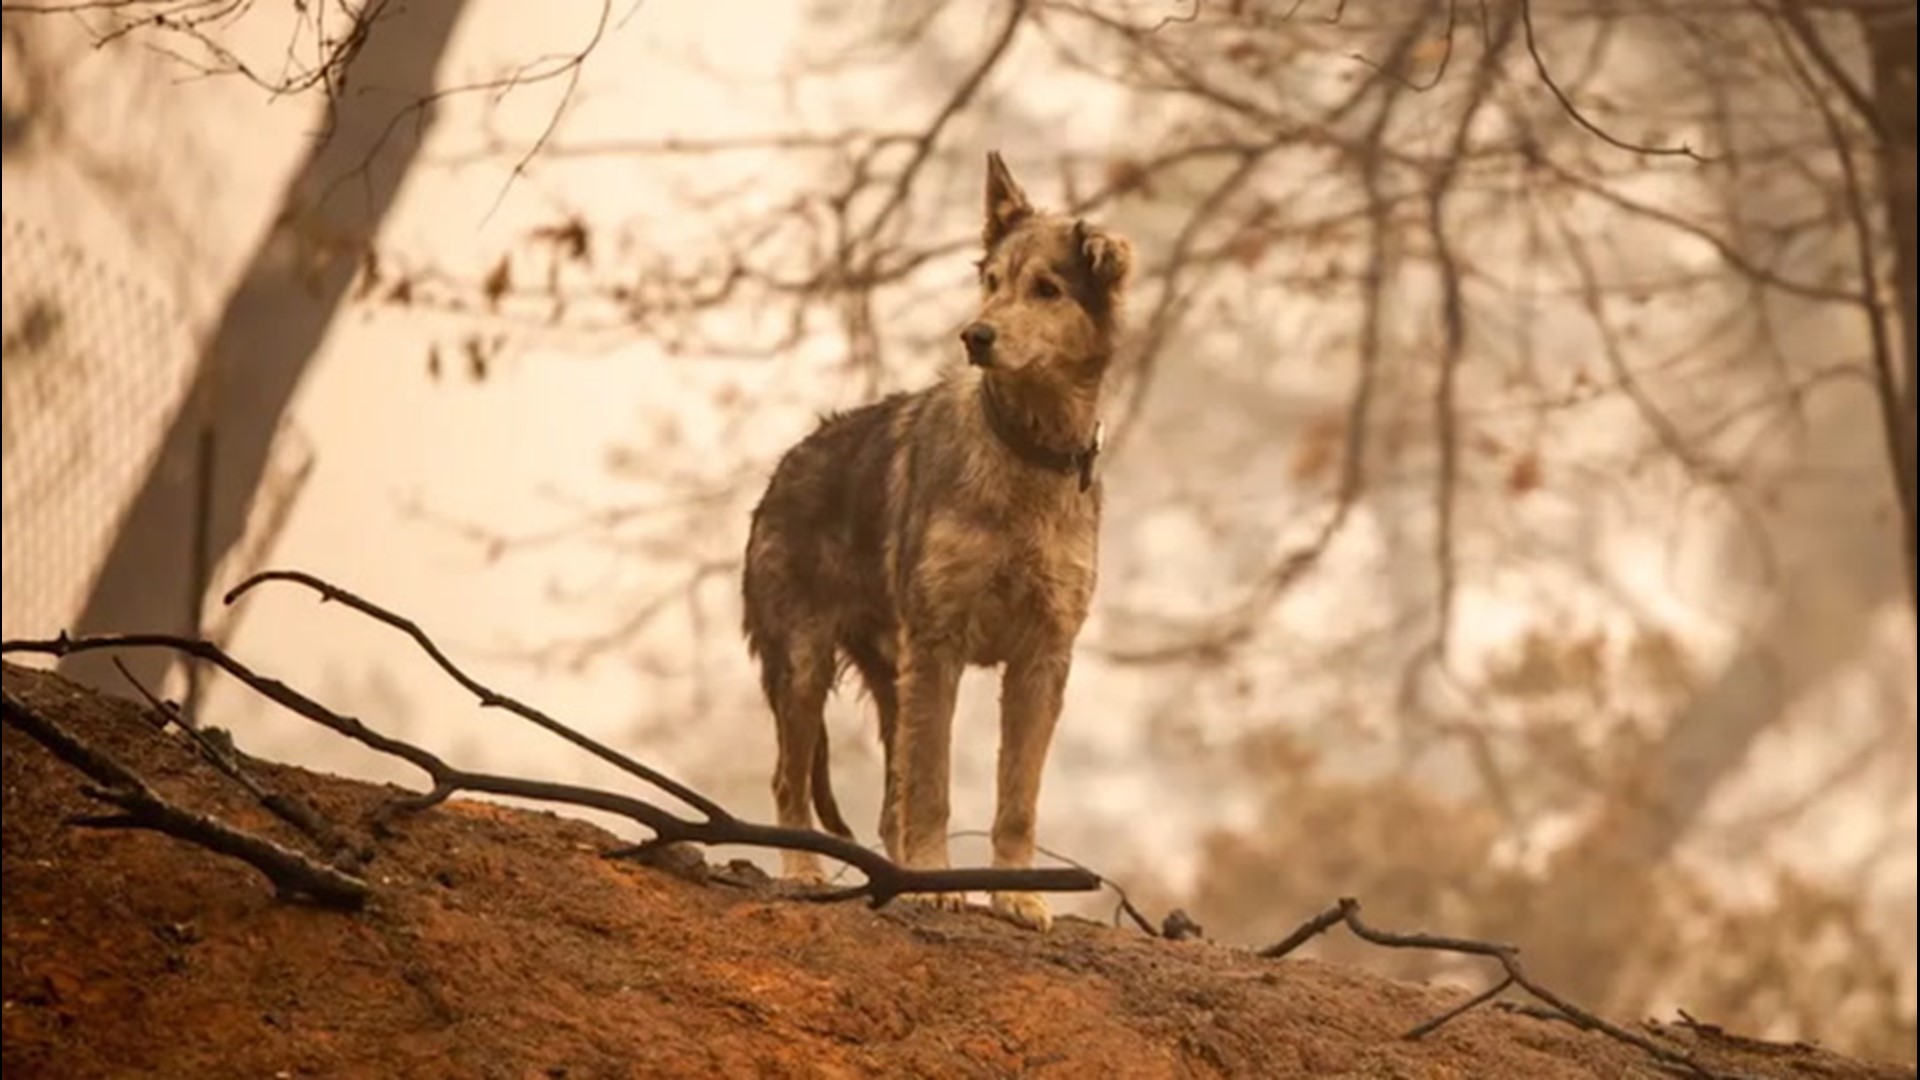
pixel 1045 289
pixel 993 281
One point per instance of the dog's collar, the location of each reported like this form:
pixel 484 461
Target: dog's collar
pixel 1016 437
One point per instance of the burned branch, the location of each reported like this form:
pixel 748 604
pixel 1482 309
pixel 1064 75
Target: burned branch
pixel 488 697
pixel 1175 926
pixel 139 806
pixel 224 758
pixel 321 47
pixel 1346 911
pixel 1580 118
pixel 885 879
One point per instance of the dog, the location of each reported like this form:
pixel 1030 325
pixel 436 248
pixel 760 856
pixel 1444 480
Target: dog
pixel 953 526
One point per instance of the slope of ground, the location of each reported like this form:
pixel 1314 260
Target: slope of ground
pixel 501 944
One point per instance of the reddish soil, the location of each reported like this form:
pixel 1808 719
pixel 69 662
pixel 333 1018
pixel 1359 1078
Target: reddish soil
pixel 501 944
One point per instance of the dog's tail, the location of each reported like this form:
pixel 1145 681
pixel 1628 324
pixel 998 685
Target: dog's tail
pixel 823 800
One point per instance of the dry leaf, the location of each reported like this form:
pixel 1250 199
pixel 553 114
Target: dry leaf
pixel 1430 51
pixel 1319 447
pixel 498 282
pixel 1524 476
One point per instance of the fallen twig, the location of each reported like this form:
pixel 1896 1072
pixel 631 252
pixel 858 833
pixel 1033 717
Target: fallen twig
pixel 1347 911
pixel 283 806
pixel 292 873
pixel 488 697
pixel 885 879
pixel 1422 1030
pixel 1124 906
pixel 1717 1034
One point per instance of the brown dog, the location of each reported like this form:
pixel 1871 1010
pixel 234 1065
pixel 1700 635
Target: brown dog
pixel 957 525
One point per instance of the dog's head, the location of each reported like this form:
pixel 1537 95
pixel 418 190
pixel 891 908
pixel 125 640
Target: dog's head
pixel 1051 288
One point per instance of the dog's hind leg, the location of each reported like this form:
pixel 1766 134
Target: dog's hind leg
pixel 797 674
pixel 883 685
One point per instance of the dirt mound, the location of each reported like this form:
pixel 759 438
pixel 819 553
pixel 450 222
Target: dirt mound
pixel 501 944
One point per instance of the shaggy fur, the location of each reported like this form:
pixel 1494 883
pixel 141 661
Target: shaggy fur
pixel 954 526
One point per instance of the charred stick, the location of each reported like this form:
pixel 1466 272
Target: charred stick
pixel 141 807
pixel 886 879
pixel 488 697
pixel 1347 912
pixel 285 807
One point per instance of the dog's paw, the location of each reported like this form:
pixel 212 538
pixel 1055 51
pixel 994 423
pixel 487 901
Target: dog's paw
pixel 1023 909
pixel 937 901
pixel 802 868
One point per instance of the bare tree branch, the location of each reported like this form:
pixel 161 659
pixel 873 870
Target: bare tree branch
pixel 1897 422
pixel 1794 15
pixel 1579 117
pixel 1453 321
pixel 141 807
pixel 287 808
pixel 924 144
pixel 885 880
pixel 1347 912
pixel 489 698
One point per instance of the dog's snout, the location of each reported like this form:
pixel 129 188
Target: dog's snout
pixel 979 341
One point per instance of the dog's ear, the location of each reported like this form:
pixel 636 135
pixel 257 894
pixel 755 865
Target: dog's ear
pixel 1007 205
pixel 1106 259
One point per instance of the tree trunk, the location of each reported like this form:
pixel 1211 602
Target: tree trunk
pixel 193 506
pixel 1890 45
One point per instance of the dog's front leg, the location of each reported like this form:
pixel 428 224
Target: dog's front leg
pixel 1031 694
pixel 922 760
